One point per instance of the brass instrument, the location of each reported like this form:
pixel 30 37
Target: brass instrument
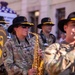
pixel 3 39
pixel 37 62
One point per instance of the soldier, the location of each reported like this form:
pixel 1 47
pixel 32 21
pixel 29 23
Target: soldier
pixel 18 51
pixel 60 58
pixel 3 38
pixel 45 37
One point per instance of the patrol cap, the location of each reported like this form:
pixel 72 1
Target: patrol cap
pixel 19 20
pixel 45 21
pixel 61 23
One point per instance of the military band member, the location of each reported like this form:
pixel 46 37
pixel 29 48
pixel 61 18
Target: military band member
pixel 45 36
pixel 60 58
pixel 18 51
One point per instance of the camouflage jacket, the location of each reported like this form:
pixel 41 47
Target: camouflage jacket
pixel 44 41
pixel 60 59
pixel 17 57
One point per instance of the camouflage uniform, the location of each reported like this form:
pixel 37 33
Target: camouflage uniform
pixel 60 59
pixel 17 57
pixel 44 41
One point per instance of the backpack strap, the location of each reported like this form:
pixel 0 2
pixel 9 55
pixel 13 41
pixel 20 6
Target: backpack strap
pixel 54 38
pixel 44 38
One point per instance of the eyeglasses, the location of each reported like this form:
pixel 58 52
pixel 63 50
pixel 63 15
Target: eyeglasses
pixel 23 26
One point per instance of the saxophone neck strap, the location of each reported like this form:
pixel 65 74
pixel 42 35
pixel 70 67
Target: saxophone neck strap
pixel 44 38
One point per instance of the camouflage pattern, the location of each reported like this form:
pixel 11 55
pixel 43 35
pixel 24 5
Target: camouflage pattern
pixel 44 44
pixel 60 59
pixel 49 40
pixel 17 57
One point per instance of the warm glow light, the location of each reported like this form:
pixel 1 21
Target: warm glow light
pixel 37 13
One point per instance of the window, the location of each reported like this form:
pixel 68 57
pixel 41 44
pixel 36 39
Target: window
pixel 34 16
pixel 60 14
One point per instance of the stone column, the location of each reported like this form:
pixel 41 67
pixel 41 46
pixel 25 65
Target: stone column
pixel 44 8
pixel 24 8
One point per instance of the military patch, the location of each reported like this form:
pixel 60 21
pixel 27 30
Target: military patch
pixel 4 54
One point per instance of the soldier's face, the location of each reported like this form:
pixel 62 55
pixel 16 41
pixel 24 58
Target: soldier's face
pixel 47 28
pixel 21 30
pixel 69 29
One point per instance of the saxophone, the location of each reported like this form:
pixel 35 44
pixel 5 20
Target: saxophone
pixel 37 62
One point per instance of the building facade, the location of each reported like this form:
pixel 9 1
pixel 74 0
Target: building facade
pixel 35 10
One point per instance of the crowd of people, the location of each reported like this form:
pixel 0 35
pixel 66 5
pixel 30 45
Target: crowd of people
pixel 20 52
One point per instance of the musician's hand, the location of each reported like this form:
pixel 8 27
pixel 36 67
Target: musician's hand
pixel 40 52
pixel 32 71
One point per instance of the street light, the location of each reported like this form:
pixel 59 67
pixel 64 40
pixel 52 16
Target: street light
pixel 36 13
